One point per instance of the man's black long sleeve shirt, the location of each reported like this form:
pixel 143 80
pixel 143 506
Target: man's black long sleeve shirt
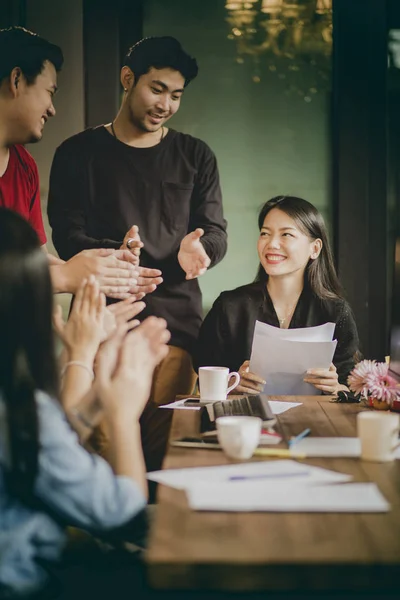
pixel 100 187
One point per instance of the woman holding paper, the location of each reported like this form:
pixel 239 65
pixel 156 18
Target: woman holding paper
pixel 296 286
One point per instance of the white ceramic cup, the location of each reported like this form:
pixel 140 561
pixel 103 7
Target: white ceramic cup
pixel 238 436
pixel 214 383
pixel 378 433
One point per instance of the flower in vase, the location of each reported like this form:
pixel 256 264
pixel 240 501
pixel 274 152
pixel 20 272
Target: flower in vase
pixel 381 385
pixel 370 378
pixel 358 380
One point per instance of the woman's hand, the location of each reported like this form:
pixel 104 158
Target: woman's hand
pixel 325 380
pixel 128 309
pixel 122 315
pixel 125 368
pixel 81 335
pixel 84 330
pixel 121 312
pixel 250 383
pixel 123 389
pixel 107 355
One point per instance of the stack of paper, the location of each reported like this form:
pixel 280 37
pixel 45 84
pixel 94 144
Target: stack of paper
pixel 328 447
pixel 282 356
pixel 259 496
pixel 274 486
pixel 272 471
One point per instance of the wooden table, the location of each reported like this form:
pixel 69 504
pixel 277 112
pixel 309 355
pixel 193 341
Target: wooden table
pixel 277 551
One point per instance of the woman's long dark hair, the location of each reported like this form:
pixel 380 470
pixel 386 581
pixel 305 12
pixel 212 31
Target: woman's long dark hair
pixel 27 357
pixel 320 273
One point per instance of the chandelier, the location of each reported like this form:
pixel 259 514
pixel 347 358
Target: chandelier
pixel 288 37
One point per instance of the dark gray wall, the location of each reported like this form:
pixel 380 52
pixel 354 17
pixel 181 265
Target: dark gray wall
pixel 267 140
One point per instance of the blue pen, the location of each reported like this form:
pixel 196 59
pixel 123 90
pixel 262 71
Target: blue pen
pixel 266 476
pixel 299 437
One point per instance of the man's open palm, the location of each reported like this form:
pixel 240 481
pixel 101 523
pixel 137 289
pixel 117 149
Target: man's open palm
pixel 191 256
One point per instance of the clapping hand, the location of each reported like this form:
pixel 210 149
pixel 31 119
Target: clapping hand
pixel 147 281
pixel 122 312
pixel 191 256
pixel 84 330
pixel 133 243
pixel 113 269
pixel 125 366
pixel 126 310
pixel 121 320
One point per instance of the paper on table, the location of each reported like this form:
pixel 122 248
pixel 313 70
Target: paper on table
pixel 283 363
pixel 180 404
pixel 273 470
pixel 252 496
pixel 320 333
pixel 328 447
pixel 279 407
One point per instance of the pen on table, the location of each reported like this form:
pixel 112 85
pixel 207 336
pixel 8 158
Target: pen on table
pixel 299 437
pixel 266 476
pixel 277 452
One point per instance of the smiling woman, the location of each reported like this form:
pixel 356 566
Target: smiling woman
pixel 283 246
pixel 296 286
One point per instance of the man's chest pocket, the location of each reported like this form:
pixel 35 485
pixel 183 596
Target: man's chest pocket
pixel 175 210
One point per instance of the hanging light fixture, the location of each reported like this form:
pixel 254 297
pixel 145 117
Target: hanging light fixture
pixel 289 34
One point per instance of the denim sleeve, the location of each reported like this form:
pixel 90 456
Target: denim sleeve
pixel 79 487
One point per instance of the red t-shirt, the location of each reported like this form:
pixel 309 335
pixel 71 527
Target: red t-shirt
pixel 19 189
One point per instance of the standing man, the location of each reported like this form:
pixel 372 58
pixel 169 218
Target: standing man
pixel 28 82
pixel 136 171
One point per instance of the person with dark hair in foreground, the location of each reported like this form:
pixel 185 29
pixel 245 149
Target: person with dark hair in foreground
pixel 28 83
pixel 296 286
pixel 136 171
pixel 47 479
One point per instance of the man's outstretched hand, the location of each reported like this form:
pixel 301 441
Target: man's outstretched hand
pixel 191 256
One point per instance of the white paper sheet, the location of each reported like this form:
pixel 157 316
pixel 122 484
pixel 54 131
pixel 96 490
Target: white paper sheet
pixel 284 362
pixel 268 496
pixel 272 470
pixel 320 333
pixel 328 447
pixel 180 405
pixel 279 407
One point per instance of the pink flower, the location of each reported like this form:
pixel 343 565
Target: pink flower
pixel 358 380
pixel 381 385
pixel 370 378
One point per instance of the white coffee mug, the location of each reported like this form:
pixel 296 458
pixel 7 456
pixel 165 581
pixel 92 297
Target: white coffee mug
pixel 238 436
pixel 378 433
pixel 214 382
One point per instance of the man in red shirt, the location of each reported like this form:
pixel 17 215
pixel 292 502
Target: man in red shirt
pixel 19 188
pixel 28 82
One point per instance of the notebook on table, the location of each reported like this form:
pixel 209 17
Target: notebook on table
pixel 249 406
